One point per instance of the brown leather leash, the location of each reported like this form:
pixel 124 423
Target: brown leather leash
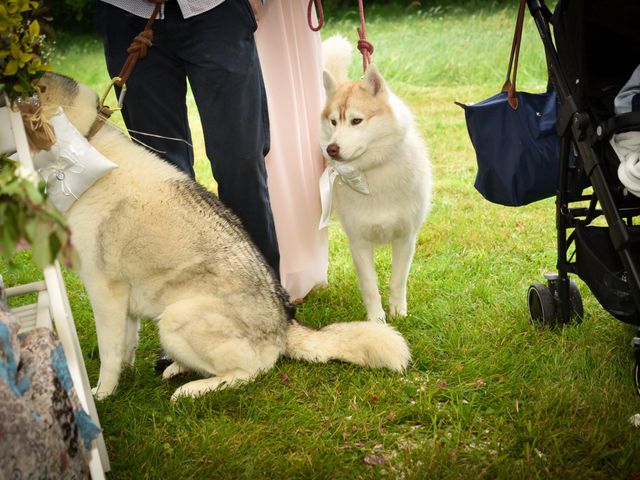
pixel 319 10
pixel 139 47
pixel 364 45
pixel 137 50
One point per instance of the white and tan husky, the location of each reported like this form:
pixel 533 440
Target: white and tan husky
pixel 382 193
pixel 154 244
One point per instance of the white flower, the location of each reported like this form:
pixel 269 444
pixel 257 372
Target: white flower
pixel 27 173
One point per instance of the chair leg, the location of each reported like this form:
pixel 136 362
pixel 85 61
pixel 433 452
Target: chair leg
pixel 66 330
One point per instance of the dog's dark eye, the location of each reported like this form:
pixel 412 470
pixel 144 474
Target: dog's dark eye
pixel 356 121
pixel 333 122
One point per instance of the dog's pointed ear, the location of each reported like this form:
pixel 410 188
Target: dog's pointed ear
pixel 329 82
pixel 373 81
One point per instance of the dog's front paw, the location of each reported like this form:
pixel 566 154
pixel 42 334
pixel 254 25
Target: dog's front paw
pixel 100 393
pixel 397 307
pixel 379 317
pixel 397 310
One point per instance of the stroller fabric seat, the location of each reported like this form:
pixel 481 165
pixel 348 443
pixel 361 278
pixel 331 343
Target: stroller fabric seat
pixel 627 144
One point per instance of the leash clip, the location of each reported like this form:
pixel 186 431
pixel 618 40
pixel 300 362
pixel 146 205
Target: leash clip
pixel 113 82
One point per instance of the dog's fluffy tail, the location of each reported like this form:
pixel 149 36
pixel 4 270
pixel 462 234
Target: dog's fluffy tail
pixel 368 344
pixel 337 54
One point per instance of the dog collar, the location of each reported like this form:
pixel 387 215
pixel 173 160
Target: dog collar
pixel 103 115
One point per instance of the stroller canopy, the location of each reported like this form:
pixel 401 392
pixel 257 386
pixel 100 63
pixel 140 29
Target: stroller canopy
pixel 598 43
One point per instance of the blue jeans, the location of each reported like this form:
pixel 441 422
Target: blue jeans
pixel 216 52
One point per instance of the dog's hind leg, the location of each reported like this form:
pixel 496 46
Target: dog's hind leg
pixel 362 254
pixel 402 250
pixel 198 336
pixel 229 379
pixel 110 304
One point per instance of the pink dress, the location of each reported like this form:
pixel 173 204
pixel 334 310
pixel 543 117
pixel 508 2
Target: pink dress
pixel 290 55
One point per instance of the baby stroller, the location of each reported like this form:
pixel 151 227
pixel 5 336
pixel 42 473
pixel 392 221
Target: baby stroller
pixel 592 52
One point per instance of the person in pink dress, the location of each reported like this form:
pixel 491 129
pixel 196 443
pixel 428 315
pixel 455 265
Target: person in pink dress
pixel 291 60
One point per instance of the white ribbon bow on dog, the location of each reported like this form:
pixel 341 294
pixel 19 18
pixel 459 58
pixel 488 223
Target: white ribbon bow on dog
pixel 351 176
pixel 56 173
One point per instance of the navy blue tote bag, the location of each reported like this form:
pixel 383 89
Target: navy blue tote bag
pixel 515 140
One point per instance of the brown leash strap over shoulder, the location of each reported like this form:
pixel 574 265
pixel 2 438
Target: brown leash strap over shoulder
pixel 140 46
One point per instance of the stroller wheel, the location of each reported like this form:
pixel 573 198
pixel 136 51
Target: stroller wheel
pixel 577 310
pixel 542 305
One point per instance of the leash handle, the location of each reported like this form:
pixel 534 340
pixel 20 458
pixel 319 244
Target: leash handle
pixel 137 50
pixel 319 10
pixel 364 45
pixel 140 46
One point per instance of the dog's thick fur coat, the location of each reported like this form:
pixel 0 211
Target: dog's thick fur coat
pixel 154 244
pixel 364 125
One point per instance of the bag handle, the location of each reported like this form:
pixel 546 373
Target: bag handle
pixel 510 82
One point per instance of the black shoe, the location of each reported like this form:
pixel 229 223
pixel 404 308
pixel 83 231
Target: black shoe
pixel 162 363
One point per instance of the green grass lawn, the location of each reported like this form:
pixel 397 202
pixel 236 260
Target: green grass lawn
pixel 487 395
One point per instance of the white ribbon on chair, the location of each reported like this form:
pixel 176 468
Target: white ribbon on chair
pixel 350 176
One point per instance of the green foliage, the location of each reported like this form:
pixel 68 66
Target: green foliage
pixel 72 15
pixel 23 48
pixel 27 218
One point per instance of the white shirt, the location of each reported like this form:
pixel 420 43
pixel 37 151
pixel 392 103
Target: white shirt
pixel 143 8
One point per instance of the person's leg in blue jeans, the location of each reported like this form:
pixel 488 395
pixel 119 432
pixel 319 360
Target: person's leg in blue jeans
pixel 216 51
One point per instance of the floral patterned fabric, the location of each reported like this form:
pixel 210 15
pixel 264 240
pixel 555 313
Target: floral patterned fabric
pixel 44 432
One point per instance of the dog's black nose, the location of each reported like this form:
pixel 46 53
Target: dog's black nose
pixel 333 149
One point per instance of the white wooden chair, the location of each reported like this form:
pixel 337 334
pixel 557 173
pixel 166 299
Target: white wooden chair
pixel 52 309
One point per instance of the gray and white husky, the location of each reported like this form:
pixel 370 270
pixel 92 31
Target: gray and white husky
pixel 154 244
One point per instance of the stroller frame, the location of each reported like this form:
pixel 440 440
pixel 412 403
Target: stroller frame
pixel 559 301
